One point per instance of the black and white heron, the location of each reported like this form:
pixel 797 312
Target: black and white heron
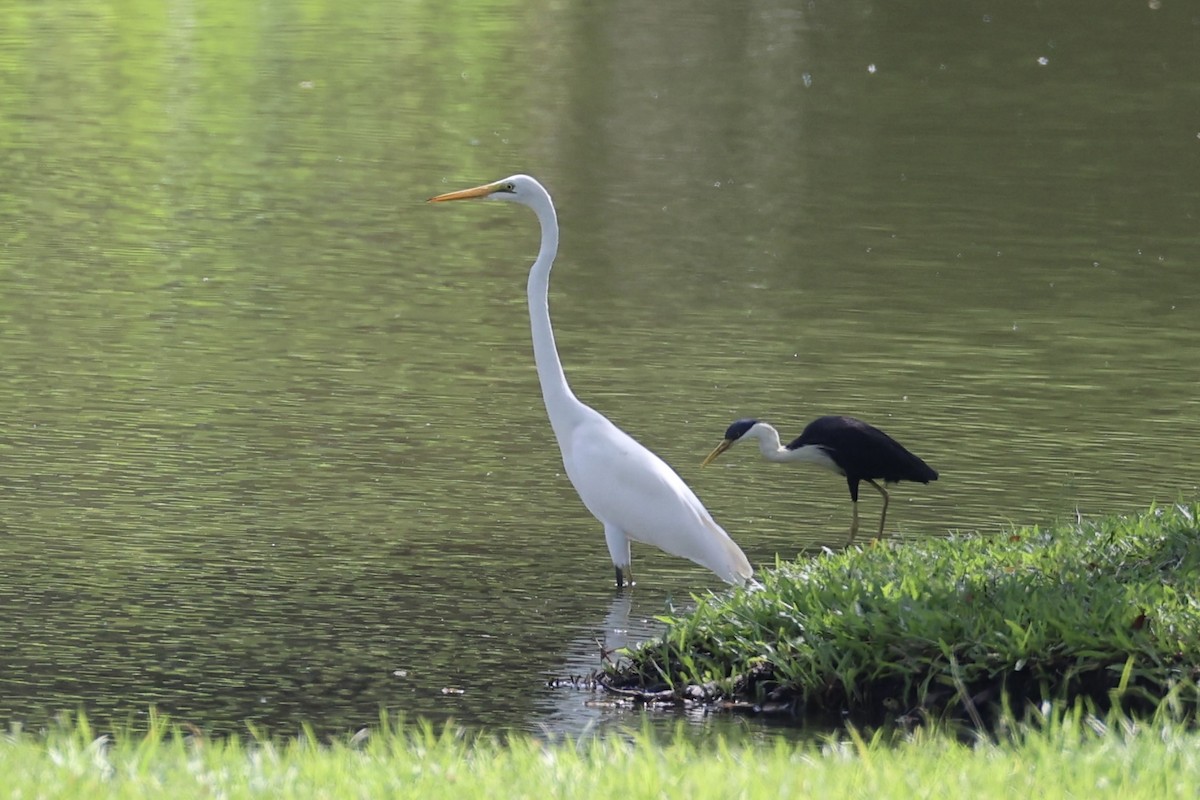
pixel 845 445
pixel 630 490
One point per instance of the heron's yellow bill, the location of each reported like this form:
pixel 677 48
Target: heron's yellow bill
pixel 465 194
pixel 721 448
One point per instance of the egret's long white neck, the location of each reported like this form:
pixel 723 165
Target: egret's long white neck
pixel 560 401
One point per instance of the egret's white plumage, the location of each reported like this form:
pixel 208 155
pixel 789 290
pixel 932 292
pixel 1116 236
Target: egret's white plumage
pixel 634 493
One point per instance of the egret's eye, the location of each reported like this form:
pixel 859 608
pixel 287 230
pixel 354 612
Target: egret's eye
pixel 510 187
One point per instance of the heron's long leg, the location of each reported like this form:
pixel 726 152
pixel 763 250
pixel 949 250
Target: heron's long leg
pixel 853 523
pixel 882 514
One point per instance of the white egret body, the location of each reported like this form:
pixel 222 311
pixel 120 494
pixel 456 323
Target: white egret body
pixel 631 491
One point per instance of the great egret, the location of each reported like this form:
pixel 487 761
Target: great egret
pixel 631 491
pixel 846 445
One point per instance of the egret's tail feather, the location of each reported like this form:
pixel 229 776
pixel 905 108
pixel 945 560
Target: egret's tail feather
pixel 725 558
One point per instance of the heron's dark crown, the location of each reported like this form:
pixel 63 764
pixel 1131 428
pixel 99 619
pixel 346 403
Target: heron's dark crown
pixel 738 429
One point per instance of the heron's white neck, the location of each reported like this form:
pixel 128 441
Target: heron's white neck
pixel 561 404
pixel 773 450
pixel 769 444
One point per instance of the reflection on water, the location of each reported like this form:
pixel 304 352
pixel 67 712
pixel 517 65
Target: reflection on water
pixel 566 710
pixel 575 711
pixel 273 446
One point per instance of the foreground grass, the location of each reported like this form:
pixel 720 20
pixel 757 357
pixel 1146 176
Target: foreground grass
pixel 1071 757
pixel 1104 611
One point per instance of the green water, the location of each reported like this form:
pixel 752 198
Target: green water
pixel 271 441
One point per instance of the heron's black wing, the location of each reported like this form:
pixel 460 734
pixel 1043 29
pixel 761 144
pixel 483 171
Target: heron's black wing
pixel 864 451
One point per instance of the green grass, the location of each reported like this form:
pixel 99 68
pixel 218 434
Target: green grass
pixel 1103 611
pixel 1073 755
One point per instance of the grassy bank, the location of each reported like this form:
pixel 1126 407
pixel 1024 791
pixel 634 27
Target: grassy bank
pixel 1072 757
pixel 1101 611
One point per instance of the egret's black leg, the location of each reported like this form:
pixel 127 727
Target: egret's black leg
pixel 882 514
pixel 620 577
